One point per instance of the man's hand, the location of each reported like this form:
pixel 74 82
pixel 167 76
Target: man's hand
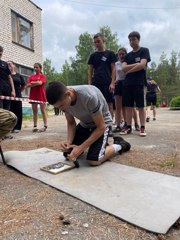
pixel 111 87
pixel 75 153
pixel 64 146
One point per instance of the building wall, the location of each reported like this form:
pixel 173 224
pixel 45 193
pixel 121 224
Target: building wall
pixel 12 51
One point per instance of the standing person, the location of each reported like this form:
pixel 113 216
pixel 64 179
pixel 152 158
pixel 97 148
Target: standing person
pixel 134 66
pixel 36 83
pixel 151 98
pixel 6 83
pixel 120 76
pixel 101 70
pixel 87 104
pixel 19 85
pixel 56 111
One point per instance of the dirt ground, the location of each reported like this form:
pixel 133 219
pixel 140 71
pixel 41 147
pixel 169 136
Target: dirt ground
pixel 32 210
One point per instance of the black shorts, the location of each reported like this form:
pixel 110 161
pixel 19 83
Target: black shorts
pixel 97 149
pixel 5 91
pixel 118 91
pixel 151 99
pixel 133 96
pixel 104 88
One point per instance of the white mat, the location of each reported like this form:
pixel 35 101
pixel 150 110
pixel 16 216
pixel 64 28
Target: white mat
pixel 146 199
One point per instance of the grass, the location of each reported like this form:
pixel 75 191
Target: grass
pixel 30 117
pixel 172 159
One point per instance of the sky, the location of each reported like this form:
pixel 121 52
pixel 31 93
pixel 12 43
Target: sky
pixel 64 21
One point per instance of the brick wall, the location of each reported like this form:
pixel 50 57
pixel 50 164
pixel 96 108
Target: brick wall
pixel 12 51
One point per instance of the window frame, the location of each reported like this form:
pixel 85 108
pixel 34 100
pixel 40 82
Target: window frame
pixel 15 20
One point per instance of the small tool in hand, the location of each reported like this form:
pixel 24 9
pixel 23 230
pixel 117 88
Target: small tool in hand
pixel 76 163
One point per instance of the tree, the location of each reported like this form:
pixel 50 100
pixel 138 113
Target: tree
pixel 111 39
pixel 167 74
pixel 50 72
pixel 75 73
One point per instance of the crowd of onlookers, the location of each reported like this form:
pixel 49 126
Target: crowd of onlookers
pixel 120 77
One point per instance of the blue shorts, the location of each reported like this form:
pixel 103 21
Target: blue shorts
pixel 97 149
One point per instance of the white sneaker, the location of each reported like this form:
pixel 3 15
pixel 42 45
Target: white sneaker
pixel 142 132
pixel 16 131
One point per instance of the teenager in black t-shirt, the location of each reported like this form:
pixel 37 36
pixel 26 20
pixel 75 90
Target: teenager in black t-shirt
pixel 135 64
pixel 101 70
pixel 6 83
pixel 151 98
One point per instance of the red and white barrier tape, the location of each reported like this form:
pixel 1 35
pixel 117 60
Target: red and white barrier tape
pixel 20 99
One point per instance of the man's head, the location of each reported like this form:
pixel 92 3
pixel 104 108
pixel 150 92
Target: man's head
pixel 1 51
pixel 134 38
pixel 58 95
pixel 99 41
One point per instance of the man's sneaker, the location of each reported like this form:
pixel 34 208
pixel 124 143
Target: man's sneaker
pixel 125 146
pixel 154 119
pixel 147 119
pixel 122 124
pixel 117 129
pixel 142 132
pixel 126 131
pixel 137 128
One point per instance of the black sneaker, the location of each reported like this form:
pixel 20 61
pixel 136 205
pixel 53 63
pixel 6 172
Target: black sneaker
pixel 147 119
pixel 111 133
pixel 117 129
pixel 125 145
pixel 137 128
pixel 125 131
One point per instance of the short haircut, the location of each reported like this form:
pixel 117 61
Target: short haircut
pixel 134 34
pixel 1 49
pixel 55 92
pixel 99 35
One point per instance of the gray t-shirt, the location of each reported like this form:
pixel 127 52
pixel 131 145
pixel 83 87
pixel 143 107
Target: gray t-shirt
pixel 89 103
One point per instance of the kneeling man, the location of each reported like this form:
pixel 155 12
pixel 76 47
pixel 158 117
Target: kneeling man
pixel 86 103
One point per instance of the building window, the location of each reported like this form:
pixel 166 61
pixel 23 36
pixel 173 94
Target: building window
pixel 22 31
pixel 25 72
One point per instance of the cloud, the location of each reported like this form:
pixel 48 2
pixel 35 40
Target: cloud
pixel 63 22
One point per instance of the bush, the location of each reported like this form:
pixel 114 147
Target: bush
pixel 175 103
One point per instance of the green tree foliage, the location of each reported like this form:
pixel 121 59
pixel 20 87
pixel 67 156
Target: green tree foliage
pixel 175 103
pixel 75 73
pixel 111 39
pixel 75 70
pixel 167 75
pixel 50 72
